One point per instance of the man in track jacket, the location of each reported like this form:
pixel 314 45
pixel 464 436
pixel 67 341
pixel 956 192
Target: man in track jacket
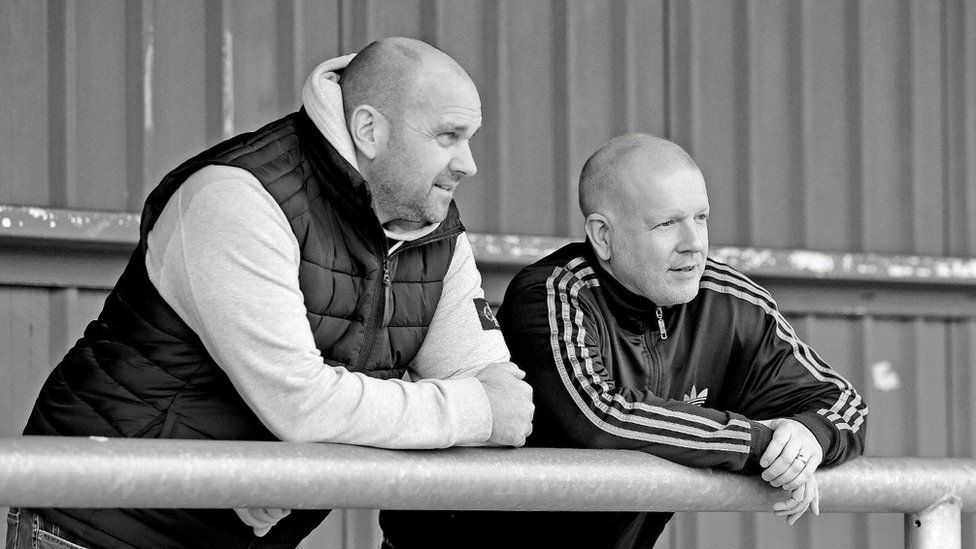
pixel 636 340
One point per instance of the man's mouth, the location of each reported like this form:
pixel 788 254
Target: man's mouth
pixel 685 269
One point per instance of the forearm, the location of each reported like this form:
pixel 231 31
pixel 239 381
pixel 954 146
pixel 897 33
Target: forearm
pixel 588 417
pixel 234 280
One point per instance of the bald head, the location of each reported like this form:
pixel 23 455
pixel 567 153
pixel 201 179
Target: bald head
pixel 604 176
pixel 387 73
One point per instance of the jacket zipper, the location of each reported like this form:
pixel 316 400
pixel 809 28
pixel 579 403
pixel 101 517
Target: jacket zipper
pixel 660 323
pixel 379 302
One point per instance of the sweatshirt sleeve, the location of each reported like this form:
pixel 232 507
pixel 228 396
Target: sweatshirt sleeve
pixel 785 378
pixel 554 334
pixel 464 336
pixel 223 256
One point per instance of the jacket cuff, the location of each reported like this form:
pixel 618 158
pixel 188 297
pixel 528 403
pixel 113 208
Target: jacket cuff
pixel 823 430
pixel 761 437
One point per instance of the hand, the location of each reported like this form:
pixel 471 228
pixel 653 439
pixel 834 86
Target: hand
pixel 807 496
pixel 261 520
pixel 792 456
pixel 511 403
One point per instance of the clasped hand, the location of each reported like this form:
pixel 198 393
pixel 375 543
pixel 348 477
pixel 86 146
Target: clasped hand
pixel 261 520
pixel 790 461
pixel 510 399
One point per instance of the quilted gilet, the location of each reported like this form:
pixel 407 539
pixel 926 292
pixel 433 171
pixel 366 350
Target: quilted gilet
pixel 140 371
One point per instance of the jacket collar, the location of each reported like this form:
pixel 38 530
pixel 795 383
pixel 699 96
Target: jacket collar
pixel 631 310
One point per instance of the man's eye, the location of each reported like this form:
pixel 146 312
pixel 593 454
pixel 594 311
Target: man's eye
pixel 447 138
pixel 702 217
pixel 666 223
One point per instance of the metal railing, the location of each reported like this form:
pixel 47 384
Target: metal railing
pixel 80 472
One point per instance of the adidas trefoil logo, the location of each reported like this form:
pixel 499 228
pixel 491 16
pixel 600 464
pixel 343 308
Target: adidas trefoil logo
pixel 695 397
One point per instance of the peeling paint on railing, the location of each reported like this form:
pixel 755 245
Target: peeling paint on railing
pixel 516 250
pixel 68 226
pixel 849 266
pixel 53 225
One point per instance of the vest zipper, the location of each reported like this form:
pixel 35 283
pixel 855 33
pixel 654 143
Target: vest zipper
pixel 660 322
pixel 380 301
pixel 377 317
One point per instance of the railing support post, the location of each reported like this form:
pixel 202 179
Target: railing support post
pixel 938 527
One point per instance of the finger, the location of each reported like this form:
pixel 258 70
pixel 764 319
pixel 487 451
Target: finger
pixel 791 475
pixel 247 517
pixel 511 368
pixel 804 475
pixel 811 490
pixel 786 506
pixel 791 520
pixel 784 460
pixel 815 504
pixel 262 531
pixel 274 514
pixel 779 440
pixel 261 516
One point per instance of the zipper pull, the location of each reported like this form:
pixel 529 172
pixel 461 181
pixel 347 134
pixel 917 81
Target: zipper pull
pixel 660 323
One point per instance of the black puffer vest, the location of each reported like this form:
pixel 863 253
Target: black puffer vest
pixel 140 371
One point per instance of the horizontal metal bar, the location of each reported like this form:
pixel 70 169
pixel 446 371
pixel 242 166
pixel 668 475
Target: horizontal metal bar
pixel 79 472
pixel 66 227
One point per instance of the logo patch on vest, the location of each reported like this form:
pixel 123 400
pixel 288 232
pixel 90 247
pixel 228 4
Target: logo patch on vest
pixel 487 318
pixel 695 397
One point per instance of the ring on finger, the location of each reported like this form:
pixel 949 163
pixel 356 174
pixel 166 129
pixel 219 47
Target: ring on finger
pixel 802 458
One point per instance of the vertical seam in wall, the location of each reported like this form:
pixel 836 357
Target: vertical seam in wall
pixel 60 88
pixel 561 107
pixel 667 66
pixel 743 122
pixel 213 16
pixel 946 104
pixel 497 12
pixel 798 108
pixel 429 22
pixel 907 138
pixel 854 110
pixel 288 50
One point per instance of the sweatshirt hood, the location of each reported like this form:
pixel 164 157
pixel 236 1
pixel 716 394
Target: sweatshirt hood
pixel 322 98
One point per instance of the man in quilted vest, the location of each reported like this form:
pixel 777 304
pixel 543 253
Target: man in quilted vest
pixel 309 281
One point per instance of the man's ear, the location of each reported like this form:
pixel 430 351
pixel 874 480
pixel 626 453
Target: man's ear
pixel 598 228
pixel 369 130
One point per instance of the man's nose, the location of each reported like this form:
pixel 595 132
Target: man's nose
pixel 693 237
pixel 463 161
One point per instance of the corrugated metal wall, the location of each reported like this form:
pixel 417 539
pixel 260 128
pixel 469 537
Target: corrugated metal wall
pixel 829 125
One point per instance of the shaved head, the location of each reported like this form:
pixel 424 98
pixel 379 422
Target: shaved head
pixel 603 179
pixel 411 112
pixel 387 73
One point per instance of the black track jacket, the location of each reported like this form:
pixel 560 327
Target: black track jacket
pixel 605 375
